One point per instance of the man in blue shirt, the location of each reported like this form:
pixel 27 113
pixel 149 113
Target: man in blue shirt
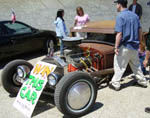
pixel 128 33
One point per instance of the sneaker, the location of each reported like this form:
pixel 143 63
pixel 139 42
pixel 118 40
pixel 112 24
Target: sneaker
pixel 147 109
pixel 113 87
pixel 142 84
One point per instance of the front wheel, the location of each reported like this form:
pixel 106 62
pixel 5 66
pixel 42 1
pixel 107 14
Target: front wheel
pixel 75 94
pixel 10 79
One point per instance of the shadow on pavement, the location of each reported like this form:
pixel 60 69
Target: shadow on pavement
pixel 45 103
pixel 132 83
pixel 96 107
pixel 128 84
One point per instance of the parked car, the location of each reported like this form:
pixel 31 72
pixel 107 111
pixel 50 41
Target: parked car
pixel 17 38
pixel 74 87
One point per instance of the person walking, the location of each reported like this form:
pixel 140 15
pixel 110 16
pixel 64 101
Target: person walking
pixel 128 32
pixel 61 30
pixel 146 60
pixel 136 8
pixel 147 109
pixel 147 50
pixel 80 20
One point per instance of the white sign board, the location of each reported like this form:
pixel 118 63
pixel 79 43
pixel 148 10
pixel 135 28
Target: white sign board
pixel 32 88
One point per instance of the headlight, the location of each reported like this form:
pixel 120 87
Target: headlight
pixel 53 79
pixel 22 71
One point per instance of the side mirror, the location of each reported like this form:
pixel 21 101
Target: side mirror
pixel 34 30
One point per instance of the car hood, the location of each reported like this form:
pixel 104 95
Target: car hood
pixel 53 33
pixel 102 48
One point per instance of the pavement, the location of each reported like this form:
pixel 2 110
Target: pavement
pixel 129 102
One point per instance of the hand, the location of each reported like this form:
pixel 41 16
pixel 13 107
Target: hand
pixel 116 51
pixel 145 62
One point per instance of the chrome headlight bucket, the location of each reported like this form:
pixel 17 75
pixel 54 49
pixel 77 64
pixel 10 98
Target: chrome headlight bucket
pixel 22 71
pixel 53 79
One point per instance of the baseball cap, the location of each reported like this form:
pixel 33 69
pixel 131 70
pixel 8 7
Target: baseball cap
pixel 121 1
pixel 148 3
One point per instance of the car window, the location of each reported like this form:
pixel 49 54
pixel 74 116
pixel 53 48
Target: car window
pixel 17 28
pixel 102 37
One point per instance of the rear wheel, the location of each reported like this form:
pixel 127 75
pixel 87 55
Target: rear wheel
pixel 75 94
pixel 10 80
pixel 49 44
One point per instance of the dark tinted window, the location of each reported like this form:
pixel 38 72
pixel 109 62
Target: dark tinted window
pixel 17 28
pixel 102 37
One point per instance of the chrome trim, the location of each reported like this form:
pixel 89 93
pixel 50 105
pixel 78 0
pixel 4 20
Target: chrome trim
pixel 80 96
pixel 56 77
pixel 25 69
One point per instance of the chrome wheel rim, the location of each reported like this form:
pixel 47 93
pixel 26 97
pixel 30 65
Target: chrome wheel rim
pixel 80 96
pixel 17 80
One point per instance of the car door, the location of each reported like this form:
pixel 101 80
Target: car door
pixel 19 36
pixel 24 37
pixel 5 44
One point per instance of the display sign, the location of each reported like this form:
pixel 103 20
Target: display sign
pixel 32 88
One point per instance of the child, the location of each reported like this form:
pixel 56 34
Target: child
pixel 61 30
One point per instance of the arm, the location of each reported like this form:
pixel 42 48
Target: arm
pixel 147 51
pixel 118 39
pixel 146 58
pixel 119 30
pixel 76 20
pixel 62 30
pixel 88 18
pixel 140 34
pixel 75 23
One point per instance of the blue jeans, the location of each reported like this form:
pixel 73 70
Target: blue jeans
pixel 61 46
pixel 141 63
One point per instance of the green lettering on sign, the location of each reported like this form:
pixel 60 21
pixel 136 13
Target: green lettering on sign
pixel 27 95
pixel 40 83
pixel 26 91
pixel 34 80
pixel 21 92
pixel 33 96
pixel 30 77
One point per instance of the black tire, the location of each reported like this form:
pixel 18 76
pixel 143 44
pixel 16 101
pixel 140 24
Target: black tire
pixel 66 87
pixel 9 73
pixel 47 46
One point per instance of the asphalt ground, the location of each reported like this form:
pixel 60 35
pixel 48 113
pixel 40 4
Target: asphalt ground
pixel 129 102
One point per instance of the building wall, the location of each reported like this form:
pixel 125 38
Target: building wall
pixel 42 13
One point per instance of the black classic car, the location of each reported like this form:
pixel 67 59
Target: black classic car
pixel 17 38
